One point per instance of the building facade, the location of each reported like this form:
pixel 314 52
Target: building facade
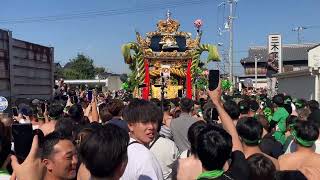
pixel 294 58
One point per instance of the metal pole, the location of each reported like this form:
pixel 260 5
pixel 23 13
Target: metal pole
pixel 231 42
pixel 162 91
pixel 299 40
pixel 256 71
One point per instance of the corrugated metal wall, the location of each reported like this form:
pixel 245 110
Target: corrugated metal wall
pixel 26 69
pixel 4 64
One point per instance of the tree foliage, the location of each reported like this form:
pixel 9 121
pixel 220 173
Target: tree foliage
pixel 81 67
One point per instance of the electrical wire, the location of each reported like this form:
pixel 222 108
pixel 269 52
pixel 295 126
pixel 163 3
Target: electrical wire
pixel 113 12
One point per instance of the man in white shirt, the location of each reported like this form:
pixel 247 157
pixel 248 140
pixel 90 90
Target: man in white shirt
pixel 166 153
pixel 142 117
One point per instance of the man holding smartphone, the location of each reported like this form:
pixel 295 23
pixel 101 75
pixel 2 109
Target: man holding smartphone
pixel 271 70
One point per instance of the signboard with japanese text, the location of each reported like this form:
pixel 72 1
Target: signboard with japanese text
pixel 275 47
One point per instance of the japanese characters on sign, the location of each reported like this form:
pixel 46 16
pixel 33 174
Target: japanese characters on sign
pixel 275 47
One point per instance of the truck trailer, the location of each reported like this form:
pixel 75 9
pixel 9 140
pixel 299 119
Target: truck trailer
pixel 26 69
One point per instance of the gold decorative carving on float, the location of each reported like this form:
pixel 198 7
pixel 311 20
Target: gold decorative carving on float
pixel 178 72
pixel 173 70
pixel 144 43
pixel 168 26
pixel 165 55
pixel 193 43
pixel 155 72
pixel 147 52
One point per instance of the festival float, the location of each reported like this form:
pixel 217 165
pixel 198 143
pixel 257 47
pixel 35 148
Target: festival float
pixel 166 62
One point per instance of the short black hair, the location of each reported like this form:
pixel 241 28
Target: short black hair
pixel 55 110
pixel 186 105
pixel 261 167
pixel 115 107
pixel 244 106
pixel 289 174
pixel 253 105
pixel 166 105
pixel 193 132
pixel 306 130
pixel 214 147
pixel 278 100
pixel 291 121
pixel 50 141
pixel 66 126
pixel 313 105
pixel 250 130
pixel 300 103
pixel 314 117
pixel 140 110
pixel 287 99
pixel 288 108
pixel 232 109
pixel 175 101
pixel 104 114
pixel 264 122
pixel 104 150
pixel 85 131
pixel 156 101
pixel 76 113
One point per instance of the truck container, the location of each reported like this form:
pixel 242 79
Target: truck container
pixel 26 69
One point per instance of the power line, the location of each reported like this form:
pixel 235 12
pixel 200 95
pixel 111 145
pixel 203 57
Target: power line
pixel 300 29
pixel 113 12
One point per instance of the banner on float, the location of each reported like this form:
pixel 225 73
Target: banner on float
pixel 275 47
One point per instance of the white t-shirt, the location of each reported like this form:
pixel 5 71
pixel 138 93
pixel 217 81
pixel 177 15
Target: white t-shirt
pixel 142 164
pixel 5 176
pixel 184 154
pixel 166 153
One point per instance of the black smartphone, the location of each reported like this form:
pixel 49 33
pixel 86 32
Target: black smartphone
pixel 22 138
pixel 15 111
pixel 90 95
pixel 213 79
pixel 214 114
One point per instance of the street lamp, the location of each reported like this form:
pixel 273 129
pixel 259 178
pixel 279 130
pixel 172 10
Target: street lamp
pixel 256 59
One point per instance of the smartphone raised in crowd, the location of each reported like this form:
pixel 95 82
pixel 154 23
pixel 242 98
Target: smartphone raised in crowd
pixel 214 76
pixel 214 114
pixel 89 95
pixel 22 138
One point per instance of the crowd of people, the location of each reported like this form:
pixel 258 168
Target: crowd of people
pixel 240 137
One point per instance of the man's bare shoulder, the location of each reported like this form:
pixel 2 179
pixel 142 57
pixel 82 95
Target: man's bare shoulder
pixel 274 160
pixel 189 168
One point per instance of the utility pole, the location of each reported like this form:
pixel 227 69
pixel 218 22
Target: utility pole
pixel 256 59
pixel 230 27
pixel 230 23
pixel 299 30
pixel 256 71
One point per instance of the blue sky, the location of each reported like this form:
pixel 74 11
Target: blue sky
pixel 101 37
